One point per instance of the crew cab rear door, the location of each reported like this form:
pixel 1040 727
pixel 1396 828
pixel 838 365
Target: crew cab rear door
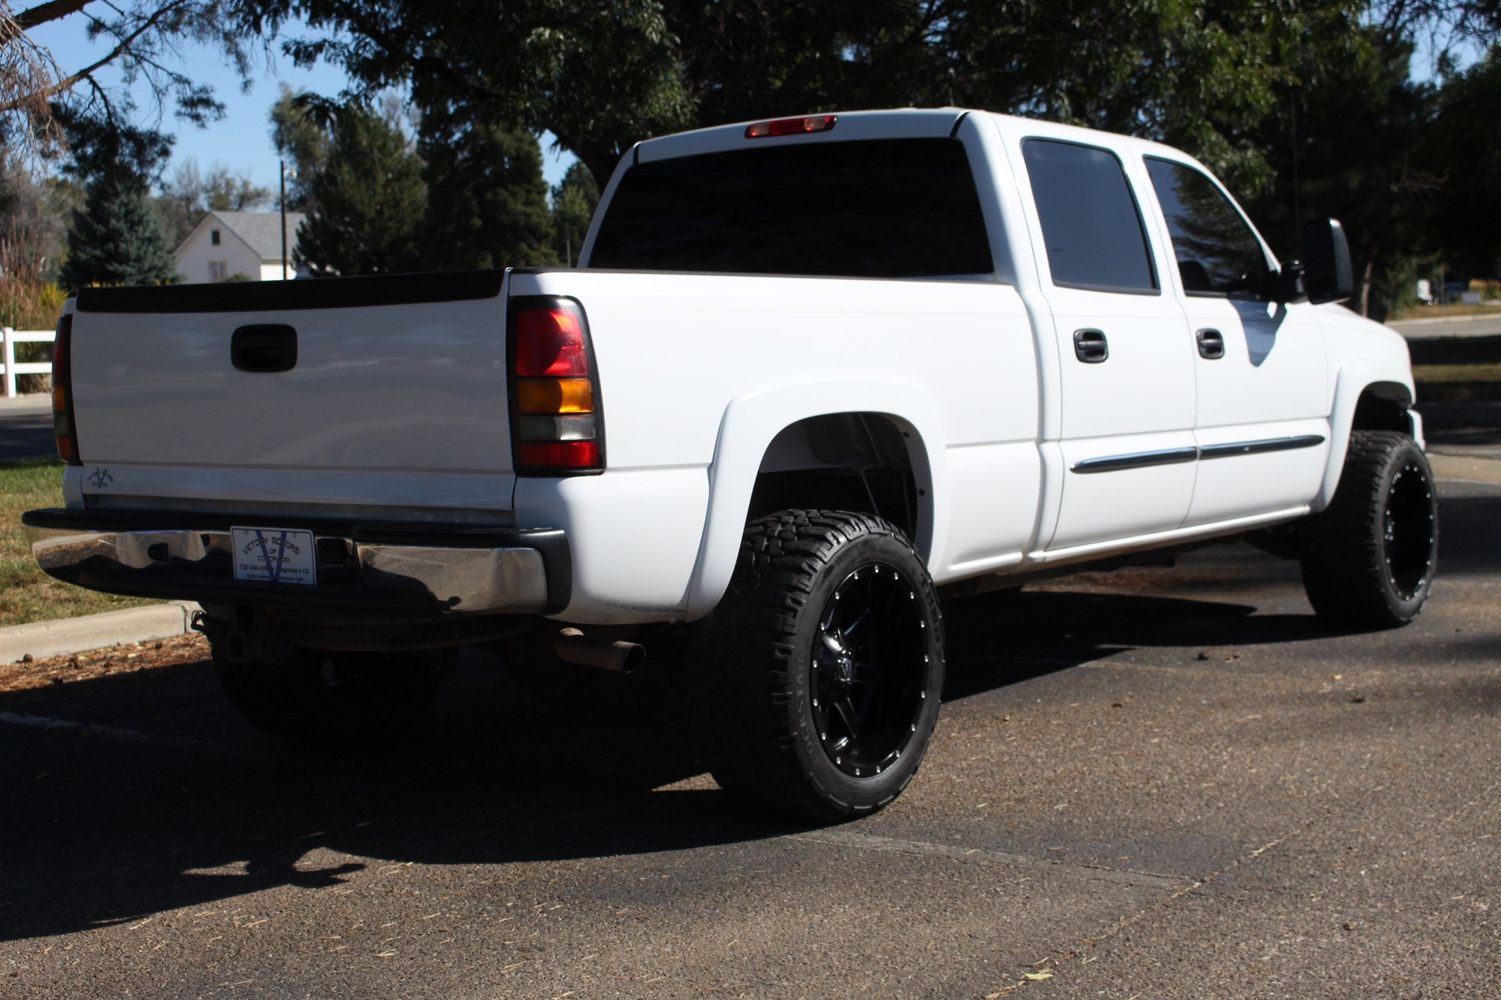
pixel 1127 377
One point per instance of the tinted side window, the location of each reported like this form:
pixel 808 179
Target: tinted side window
pixel 897 208
pixel 1090 220
pixel 1217 252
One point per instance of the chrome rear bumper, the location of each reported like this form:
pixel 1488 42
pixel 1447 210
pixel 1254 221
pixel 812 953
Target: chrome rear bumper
pixel 425 569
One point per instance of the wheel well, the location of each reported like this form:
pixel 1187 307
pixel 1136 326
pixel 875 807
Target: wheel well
pixel 1383 407
pixel 841 461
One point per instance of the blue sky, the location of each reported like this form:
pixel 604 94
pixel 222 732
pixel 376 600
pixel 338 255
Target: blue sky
pixel 241 140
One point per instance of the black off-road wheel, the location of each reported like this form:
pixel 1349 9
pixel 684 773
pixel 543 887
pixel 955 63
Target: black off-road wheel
pixel 818 677
pixel 333 699
pixel 1369 558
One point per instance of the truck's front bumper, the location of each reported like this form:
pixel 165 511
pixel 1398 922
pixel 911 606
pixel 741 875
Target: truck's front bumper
pixel 408 569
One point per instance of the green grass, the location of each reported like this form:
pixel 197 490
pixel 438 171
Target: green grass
pixel 1452 369
pixel 1442 312
pixel 26 593
pixel 1457 373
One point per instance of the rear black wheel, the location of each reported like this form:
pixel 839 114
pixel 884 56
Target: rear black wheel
pixel 821 676
pixel 330 698
pixel 1369 558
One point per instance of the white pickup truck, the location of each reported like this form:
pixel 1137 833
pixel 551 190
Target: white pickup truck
pixel 810 373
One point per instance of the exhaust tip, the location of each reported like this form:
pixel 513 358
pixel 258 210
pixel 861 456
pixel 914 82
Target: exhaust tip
pixel 618 656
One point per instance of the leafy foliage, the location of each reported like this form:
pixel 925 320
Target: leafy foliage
pixel 1349 144
pixel 302 142
pixel 189 195
pixel 1466 152
pixel 599 76
pixel 573 202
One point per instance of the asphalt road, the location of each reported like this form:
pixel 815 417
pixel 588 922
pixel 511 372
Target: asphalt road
pixel 1161 783
pixel 26 428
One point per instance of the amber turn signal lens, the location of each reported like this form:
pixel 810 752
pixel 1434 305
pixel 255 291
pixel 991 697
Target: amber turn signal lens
pixel 561 395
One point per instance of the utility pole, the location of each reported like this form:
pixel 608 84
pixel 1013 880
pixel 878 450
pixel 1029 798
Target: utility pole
pixel 282 166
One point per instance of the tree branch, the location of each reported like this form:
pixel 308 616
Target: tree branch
pixel 51 11
pixel 87 72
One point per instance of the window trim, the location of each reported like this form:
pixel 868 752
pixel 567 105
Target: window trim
pixel 1141 222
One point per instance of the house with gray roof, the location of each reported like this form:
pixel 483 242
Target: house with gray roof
pixel 243 246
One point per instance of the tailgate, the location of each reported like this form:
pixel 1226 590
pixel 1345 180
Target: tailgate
pixel 364 392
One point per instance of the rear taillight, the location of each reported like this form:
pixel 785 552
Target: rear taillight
pixel 556 424
pixel 63 426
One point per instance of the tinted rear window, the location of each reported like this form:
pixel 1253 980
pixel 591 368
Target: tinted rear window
pixel 891 208
pixel 1089 218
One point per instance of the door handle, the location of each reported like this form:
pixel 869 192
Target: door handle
pixel 265 348
pixel 1211 344
pixel 1090 346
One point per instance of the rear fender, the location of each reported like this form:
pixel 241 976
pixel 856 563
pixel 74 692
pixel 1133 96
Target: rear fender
pixel 745 433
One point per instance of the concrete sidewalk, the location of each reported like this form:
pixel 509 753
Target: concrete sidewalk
pixel 32 402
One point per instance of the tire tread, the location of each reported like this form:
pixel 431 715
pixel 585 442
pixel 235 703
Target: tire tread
pixel 752 750
pixel 1340 551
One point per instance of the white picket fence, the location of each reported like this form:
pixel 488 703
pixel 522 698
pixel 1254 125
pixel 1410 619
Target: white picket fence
pixel 8 340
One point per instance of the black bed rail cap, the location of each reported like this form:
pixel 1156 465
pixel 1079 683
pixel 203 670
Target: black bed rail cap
pixel 302 293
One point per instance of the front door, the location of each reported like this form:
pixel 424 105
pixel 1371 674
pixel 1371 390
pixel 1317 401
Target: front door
pixel 1262 412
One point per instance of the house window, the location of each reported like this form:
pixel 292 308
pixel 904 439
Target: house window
pixel 218 270
pixel 213 237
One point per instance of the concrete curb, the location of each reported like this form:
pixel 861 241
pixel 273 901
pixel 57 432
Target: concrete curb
pixel 109 628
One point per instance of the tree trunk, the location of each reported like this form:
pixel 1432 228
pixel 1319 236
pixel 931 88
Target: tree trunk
pixel 1367 273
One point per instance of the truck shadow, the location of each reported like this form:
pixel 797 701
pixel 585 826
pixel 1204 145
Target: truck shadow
pixel 159 798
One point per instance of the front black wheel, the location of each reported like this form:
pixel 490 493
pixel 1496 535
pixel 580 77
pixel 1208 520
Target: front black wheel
pixel 333 699
pixel 821 677
pixel 1368 559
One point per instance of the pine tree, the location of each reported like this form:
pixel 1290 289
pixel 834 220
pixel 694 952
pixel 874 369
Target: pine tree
pixel 487 201
pixel 366 204
pixel 117 239
pixel 117 236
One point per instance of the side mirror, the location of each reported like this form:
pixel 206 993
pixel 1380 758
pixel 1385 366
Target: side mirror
pixel 1327 274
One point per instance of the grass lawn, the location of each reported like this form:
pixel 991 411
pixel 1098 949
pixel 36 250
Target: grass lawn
pixel 1450 369
pixel 26 593
pixel 1443 312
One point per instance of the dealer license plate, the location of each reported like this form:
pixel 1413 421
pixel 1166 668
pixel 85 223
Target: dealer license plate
pixel 274 555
